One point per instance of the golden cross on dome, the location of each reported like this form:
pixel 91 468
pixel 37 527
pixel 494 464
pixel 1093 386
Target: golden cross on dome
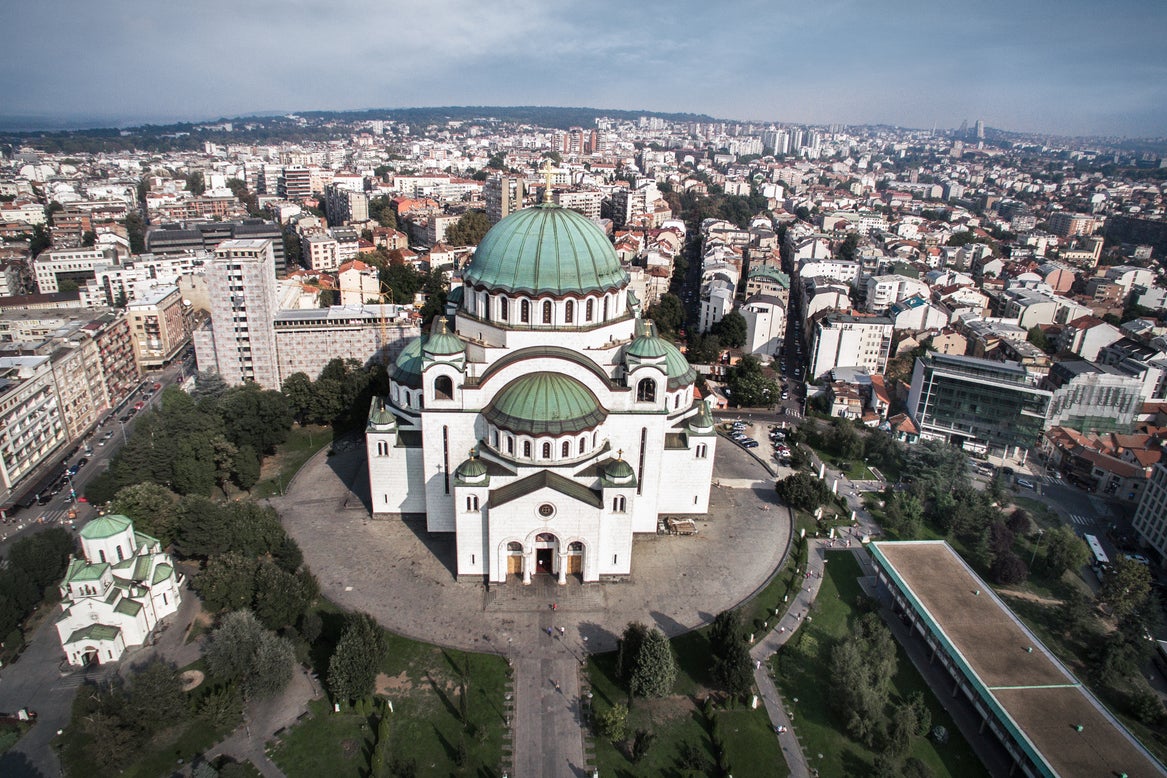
pixel 547 175
pixel 620 454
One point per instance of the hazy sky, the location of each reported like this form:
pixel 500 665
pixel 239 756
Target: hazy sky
pixel 1062 66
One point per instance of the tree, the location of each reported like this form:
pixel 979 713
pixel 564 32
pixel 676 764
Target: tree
pixel 628 651
pixel 848 249
pixel 1038 338
pixel 242 651
pixel 352 671
pixel 862 666
pixel 88 238
pixel 703 349
pixel 668 313
pixel 802 491
pixel 732 667
pixel 748 386
pixel 208 384
pixel 155 698
pixel 246 467
pixel 297 389
pixel 282 596
pixel 136 232
pixel 381 211
pixel 656 667
pixel 39 241
pixel 151 507
pixel 1064 550
pixel 731 330
pixel 844 440
pixel 1127 587
pixel 328 298
pixel 469 230
pixel 228 582
pixel 612 723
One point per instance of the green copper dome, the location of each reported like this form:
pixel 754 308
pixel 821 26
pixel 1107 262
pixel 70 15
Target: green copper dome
pixel 380 416
pixel 105 527
pixel 407 368
pixel 618 470
pixel 546 249
pixel 680 372
pixel 646 347
pixel 473 469
pixel 441 342
pixel 545 404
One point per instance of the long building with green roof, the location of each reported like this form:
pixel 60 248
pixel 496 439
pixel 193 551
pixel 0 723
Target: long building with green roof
pixel 544 422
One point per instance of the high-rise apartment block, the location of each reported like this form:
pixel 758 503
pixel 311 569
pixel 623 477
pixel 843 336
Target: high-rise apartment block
pixel 241 283
pixel 503 195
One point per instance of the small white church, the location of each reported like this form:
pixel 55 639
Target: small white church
pixel 113 598
pixel 542 421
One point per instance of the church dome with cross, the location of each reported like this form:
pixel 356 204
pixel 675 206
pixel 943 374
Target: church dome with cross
pixel 583 421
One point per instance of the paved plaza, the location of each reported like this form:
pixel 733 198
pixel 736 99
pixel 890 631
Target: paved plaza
pixel 401 575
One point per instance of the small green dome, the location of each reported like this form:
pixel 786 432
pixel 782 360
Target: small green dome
pixel 680 372
pixel 380 415
pixel 407 368
pixel 441 342
pixel 618 470
pixel 546 249
pixel 646 347
pixel 472 469
pixel 545 404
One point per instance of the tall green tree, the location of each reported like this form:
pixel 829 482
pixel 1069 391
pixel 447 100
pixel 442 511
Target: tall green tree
pixel 668 313
pixel 151 507
pixel 155 699
pixel 1127 587
pixel 748 385
pixel 656 667
pixel 243 652
pixel 732 668
pixel 802 491
pixel 352 671
pixel 1064 550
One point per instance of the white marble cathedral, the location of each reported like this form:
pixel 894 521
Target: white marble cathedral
pixel 549 422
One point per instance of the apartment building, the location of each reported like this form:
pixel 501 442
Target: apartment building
pixel 241 284
pixel 307 340
pixel 503 195
pixel 31 426
pixel 203 237
pixel 56 266
pixel 320 252
pixel 158 322
pixel 79 383
pixel 584 202
pixel 1150 520
pixel 842 340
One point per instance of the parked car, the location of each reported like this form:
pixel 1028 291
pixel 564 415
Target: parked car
pixel 750 444
pixel 1025 483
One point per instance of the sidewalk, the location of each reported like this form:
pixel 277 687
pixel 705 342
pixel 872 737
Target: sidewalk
pixel 765 648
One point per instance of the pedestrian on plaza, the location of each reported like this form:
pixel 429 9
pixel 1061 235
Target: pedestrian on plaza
pixel 563 631
pixel 549 631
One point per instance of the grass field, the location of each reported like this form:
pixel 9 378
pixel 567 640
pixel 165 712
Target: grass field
pixel 447 707
pixel 290 456
pixel 802 670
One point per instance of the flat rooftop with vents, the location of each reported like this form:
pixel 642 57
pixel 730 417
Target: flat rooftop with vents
pixel 1050 724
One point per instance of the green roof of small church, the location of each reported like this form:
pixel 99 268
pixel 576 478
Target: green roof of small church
pixel 471 468
pixel 161 573
pixel 105 527
pixel 618 468
pixel 545 404
pixel 546 249
pixel 407 368
pixel 94 632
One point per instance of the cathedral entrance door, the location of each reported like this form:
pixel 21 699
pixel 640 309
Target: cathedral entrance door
pixel 543 560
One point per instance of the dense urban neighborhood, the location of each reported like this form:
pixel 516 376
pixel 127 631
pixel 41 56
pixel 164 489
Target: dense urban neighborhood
pixel 490 441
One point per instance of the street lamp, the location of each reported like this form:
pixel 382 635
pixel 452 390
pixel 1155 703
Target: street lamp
pixel 1040 532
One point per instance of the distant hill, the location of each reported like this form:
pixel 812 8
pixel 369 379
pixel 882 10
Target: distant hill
pixel 308 126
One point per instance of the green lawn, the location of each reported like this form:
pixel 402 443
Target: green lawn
pixel 802 670
pixel 425 685
pixel 290 456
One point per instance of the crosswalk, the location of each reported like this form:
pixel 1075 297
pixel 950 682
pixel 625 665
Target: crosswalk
pixel 1080 520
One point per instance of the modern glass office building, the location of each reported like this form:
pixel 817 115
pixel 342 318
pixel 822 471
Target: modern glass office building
pixel 980 404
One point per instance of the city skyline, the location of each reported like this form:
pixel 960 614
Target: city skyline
pixel 1021 67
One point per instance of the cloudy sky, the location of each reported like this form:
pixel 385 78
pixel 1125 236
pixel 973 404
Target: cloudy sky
pixel 1060 66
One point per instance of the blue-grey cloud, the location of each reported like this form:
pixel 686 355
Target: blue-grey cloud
pixel 1066 67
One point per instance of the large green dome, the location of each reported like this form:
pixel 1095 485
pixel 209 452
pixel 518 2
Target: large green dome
pixel 545 404
pixel 546 249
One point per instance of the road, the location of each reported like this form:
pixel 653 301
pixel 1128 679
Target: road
pixel 55 513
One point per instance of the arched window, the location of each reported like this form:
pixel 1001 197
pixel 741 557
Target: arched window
pixel 546 311
pixel 701 450
pixel 525 311
pixel 583 445
pixel 677 401
pixel 546 450
pixel 504 305
pixel 527 449
pixel 472 502
pixel 382 448
pixel 589 309
pixel 444 387
pixel 494 438
pixel 575 547
pixel 569 311
pixel 566 449
pixel 646 391
pixel 121 554
pixel 605 309
pixel 101 554
pixel 510 445
pixel 514 548
pixel 619 504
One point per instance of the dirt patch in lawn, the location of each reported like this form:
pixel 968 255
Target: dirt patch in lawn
pixel 387 684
